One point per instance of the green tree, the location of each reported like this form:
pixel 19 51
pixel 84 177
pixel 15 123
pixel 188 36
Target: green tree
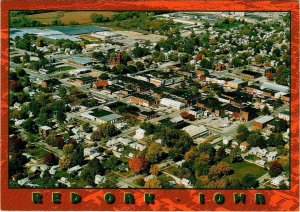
pixel 242 132
pixel 275 169
pixel 249 181
pixel 154 153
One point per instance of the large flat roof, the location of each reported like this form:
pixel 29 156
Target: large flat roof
pixel 264 119
pixel 111 117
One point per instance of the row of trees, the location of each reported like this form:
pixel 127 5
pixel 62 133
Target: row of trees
pixel 255 138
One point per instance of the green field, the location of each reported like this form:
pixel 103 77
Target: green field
pixel 230 25
pixel 37 152
pixel 243 168
pixel 65 68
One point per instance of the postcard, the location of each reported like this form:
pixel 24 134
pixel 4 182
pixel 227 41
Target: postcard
pixel 149 105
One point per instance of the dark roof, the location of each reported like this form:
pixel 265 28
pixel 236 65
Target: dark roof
pixel 252 73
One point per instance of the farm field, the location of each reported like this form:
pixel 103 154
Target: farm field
pixel 80 17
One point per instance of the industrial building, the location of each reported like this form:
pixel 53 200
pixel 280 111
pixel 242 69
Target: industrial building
pixel 172 103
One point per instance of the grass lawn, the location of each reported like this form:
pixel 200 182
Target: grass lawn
pixel 65 68
pixel 230 25
pixel 164 178
pixel 171 169
pixel 128 150
pixel 37 152
pixel 78 182
pixel 243 168
pixel 60 174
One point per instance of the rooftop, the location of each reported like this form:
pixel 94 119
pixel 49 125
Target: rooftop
pixel 111 117
pixel 81 60
pixel 264 119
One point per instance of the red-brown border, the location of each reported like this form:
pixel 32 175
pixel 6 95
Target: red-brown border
pixel 92 199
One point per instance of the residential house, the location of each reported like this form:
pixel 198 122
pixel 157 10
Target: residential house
pixel 100 84
pixel 271 156
pixel 139 134
pixel 285 115
pixel 44 131
pixel 277 180
pixel 244 146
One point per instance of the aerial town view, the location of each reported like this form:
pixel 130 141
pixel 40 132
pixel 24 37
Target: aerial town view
pixel 160 99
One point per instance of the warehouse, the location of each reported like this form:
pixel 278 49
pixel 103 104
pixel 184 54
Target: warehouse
pixel 81 61
pixel 172 103
pixel 274 87
pixel 196 131
pixel 262 122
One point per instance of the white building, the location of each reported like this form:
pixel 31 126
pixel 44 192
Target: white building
pixel 137 146
pixel 271 156
pixel 99 179
pixel 196 131
pixel 285 115
pixel 277 180
pixel 172 103
pixel 139 134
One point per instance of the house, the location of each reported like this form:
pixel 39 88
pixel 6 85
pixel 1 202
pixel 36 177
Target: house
pixel 139 134
pixel 234 144
pixel 277 180
pixel 131 155
pixel 117 154
pixel 227 139
pixel 179 163
pixel 185 182
pixel 149 177
pixel 99 179
pixel 196 131
pixel 271 156
pixel 89 151
pixel 258 152
pixel 137 146
pixel 64 181
pixel 285 115
pixel 100 84
pixel 24 181
pixel 44 131
pixel 74 169
pixel 74 106
pixel 53 169
pixel 260 162
pixel 244 146
pixel 262 121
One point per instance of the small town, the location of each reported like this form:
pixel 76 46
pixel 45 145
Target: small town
pixel 101 99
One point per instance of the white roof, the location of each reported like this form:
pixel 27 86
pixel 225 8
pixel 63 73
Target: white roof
pixel 264 119
pixel 45 128
pixel 275 87
pixel 193 130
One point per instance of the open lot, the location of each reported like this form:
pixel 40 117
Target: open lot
pixel 243 168
pixel 80 17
